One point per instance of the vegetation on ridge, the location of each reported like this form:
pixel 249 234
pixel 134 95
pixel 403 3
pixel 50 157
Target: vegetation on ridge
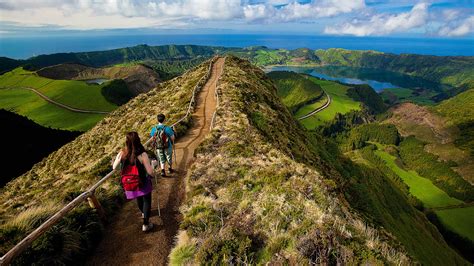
pixel 29 199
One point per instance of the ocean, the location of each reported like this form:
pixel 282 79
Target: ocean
pixel 25 47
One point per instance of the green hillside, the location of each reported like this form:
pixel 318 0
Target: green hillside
pixel 76 94
pixel 270 205
pixel 340 103
pixel 30 198
pixel 295 90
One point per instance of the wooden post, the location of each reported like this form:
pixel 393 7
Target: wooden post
pixel 95 204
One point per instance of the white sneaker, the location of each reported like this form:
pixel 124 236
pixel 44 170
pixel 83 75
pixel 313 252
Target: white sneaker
pixel 146 228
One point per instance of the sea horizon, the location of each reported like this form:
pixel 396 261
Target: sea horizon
pixel 19 47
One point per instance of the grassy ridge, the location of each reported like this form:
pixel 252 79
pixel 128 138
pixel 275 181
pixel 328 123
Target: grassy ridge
pixel 340 103
pixel 29 199
pixel 294 89
pixel 257 199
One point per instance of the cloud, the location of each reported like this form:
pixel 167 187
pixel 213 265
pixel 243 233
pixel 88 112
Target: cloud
pixel 94 14
pixel 294 11
pixel 383 24
pixel 455 26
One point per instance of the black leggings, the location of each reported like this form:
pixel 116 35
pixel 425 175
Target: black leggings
pixel 144 204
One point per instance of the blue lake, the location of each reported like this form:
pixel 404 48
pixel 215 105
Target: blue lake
pixel 376 78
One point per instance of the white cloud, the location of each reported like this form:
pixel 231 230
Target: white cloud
pixel 383 24
pixel 457 28
pixel 103 14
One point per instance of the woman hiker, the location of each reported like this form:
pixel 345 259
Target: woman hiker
pixel 136 175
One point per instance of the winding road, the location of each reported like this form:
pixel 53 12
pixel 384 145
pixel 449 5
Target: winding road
pixel 124 243
pixel 319 109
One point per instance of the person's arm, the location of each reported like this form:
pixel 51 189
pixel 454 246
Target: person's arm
pixel 146 162
pixel 170 134
pixel 117 161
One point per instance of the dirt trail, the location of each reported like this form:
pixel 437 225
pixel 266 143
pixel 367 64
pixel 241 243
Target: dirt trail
pixel 124 243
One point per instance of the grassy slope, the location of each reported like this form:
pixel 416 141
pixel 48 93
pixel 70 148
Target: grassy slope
pixel 420 187
pixel 459 220
pixel 459 109
pixel 248 200
pixel 65 173
pixel 340 103
pixel 28 104
pixel 76 94
pixel 247 197
pixel 294 89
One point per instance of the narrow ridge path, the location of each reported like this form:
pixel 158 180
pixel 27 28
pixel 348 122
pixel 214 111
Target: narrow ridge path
pixel 124 243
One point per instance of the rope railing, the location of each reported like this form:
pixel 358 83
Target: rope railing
pixel 89 194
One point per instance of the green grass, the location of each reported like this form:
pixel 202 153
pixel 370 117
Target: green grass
pixel 311 107
pixel 28 104
pixel 340 103
pixel 73 93
pixel 460 220
pixel 420 187
pixel 77 94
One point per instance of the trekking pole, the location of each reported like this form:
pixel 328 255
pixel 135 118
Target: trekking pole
pixel 156 183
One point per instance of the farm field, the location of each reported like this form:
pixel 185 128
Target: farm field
pixel 340 103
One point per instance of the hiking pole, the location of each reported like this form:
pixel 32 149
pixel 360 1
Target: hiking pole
pixel 156 183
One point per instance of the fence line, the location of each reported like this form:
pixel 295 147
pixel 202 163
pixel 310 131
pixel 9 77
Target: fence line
pixel 89 194
pixel 216 93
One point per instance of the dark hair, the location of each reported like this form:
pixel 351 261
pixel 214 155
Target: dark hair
pixel 133 148
pixel 161 118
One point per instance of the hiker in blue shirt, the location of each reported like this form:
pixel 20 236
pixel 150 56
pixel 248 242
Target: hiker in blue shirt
pixel 163 140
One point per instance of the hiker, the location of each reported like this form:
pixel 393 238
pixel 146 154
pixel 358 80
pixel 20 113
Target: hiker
pixel 163 141
pixel 136 175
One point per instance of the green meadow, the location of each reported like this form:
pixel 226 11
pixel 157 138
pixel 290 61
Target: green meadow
pixel 340 103
pixel 459 220
pixel 28 104
pixel 420 187
pixel 77 94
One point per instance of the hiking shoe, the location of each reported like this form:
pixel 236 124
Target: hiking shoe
pixel 147 227
pixel 163 172
pixel 171 170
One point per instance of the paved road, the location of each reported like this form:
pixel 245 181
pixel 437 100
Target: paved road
pixel 319 109
pixel 124 242
pixel 72 109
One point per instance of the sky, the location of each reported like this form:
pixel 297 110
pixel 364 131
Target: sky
pixel 431 18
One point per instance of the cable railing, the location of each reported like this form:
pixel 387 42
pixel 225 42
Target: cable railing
pixel 89 194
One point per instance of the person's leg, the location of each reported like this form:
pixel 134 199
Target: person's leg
pixel 169 157
pixel 162 159
pixel 140 203
pixel 146 208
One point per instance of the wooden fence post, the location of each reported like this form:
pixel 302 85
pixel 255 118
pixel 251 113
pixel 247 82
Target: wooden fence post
pixel 95 204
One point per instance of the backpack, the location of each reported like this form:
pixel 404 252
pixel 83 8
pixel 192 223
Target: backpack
pixel 160 139
pixel 131 180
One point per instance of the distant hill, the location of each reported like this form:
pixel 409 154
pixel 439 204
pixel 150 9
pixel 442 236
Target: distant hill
pixel 139 78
